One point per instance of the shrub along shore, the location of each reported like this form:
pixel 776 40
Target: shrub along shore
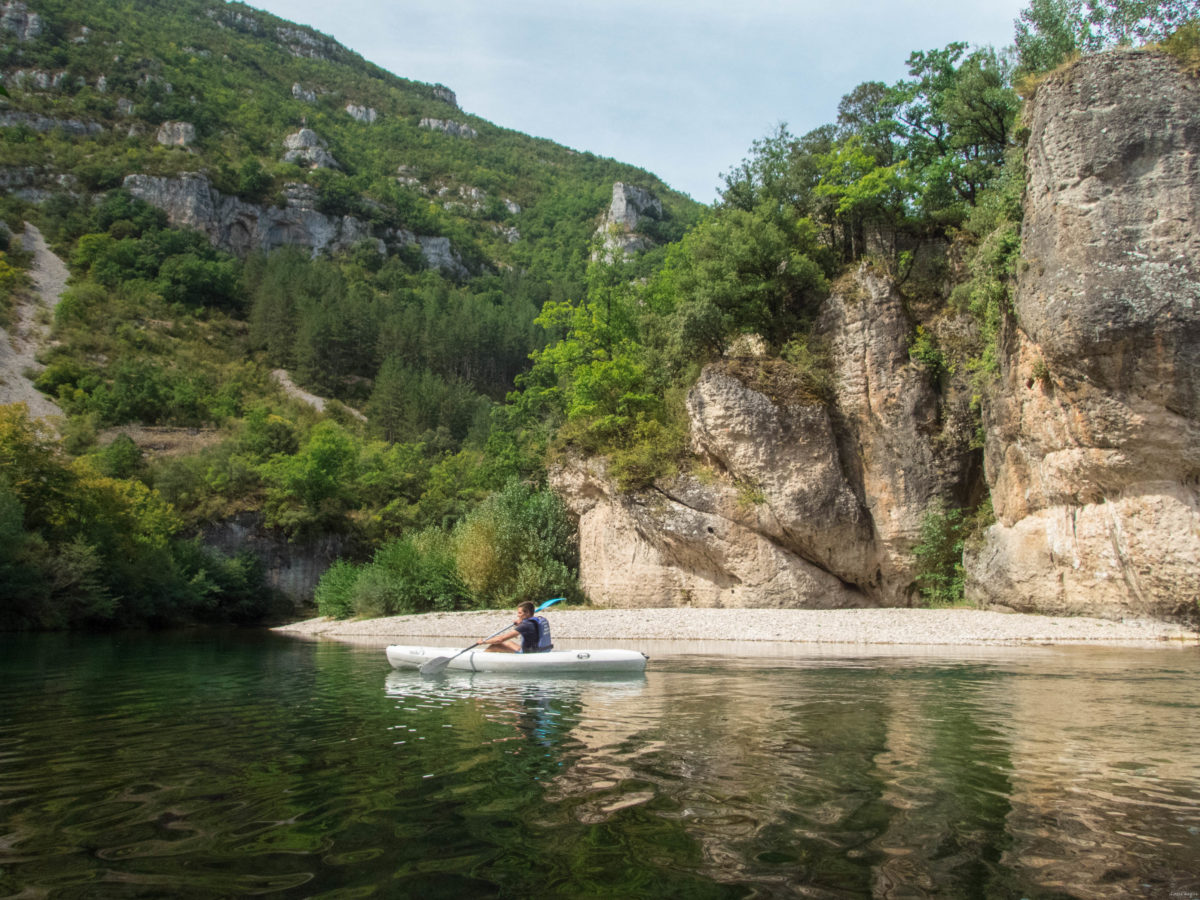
pixel 713 628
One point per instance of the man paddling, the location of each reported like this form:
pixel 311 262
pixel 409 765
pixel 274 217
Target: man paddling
pixel 534 632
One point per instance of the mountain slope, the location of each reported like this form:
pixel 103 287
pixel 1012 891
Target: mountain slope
pixel 99 91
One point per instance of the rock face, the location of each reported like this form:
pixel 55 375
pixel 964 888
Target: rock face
pixel 797 502
pixel 687 544
pixel 363 114
pixel 454 129
pixel 1093 443
pixel 19 19
pixel 78 127
pixel 306 147
pixel 190 201
pixel 904 442
pixel 443 93
pixel 292 568
pixel 618 231
pixel 176 134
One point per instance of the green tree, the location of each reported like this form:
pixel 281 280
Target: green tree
pixel 519 544
pixel 314 488
pixel 1049 32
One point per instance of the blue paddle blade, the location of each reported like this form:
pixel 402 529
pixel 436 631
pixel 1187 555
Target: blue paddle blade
pixel 549 603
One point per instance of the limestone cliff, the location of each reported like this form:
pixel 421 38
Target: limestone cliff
pixel 236 226
pixel 794 502
pixel 1093 439
pixel 1092 430
pixel 618 232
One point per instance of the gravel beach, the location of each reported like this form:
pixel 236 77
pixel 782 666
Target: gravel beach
pixel 923 627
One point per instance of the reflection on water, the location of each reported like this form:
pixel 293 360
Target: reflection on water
pixel 248 764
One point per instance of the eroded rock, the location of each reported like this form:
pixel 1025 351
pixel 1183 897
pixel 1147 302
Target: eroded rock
pixel 306 147
pixel 618 232
pixel 1093 438
pixel 190 201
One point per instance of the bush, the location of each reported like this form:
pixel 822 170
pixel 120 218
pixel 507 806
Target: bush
pixel 945 532
pixel 939 552
pixel 335 591
pixel 519 544
pixel 413 574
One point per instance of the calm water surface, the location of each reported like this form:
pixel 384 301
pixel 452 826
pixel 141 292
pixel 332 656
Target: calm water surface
pixel 253 764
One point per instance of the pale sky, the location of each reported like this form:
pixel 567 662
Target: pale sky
pixel 678 87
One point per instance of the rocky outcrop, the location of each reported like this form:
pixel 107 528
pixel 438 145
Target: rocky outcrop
pixel 443 93
pixel 685 544
pixel 307 148
pixel 439 254
pixel 446 126
pixel 238 227
pixel 235 20
pixel 618 232
pixel 1093 437
pixel 363 114
pixel 796 501
pixel 300 92
pixel 39 79
pixel 308 45
pixel 176 134
pixel 19 19
pixel 76 127
pixel 190 201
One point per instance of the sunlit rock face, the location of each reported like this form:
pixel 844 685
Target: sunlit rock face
pixel 903 441
pixel 307 147
pixel 793 500
pixel 618 232
pixel 690 543
pixel 450 127
pixel 1093 439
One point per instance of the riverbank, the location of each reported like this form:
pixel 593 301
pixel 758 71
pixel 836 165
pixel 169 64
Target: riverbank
pixel 923 627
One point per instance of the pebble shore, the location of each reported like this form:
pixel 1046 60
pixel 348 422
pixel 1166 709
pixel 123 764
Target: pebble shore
pixel 922 627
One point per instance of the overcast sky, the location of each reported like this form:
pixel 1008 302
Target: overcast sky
pixel 678 87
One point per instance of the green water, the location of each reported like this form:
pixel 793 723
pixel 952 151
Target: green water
pixel 250 764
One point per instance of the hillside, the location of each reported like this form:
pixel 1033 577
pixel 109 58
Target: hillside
pixel 99 91
pixel 289 252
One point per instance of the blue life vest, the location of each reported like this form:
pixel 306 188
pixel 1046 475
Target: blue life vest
pixel 544 642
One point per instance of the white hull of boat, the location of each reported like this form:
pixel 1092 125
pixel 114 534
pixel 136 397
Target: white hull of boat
pixel 550 662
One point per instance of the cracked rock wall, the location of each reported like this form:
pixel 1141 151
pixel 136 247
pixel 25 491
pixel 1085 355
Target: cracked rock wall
pixel 1093 440
pixel 793 502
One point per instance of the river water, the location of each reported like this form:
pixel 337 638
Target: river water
pixel 250 764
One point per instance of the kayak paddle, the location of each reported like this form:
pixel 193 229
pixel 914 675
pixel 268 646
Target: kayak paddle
pixel 438 665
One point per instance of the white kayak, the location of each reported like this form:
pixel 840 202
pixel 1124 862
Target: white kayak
pixel 549 662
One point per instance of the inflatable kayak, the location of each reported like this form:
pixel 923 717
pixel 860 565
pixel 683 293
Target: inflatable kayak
pixel 550 662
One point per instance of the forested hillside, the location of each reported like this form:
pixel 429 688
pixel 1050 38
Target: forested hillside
pixel 452 234
pixel 236 194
